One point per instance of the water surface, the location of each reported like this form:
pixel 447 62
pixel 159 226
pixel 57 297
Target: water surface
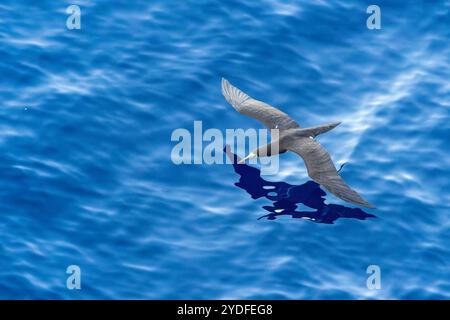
pixel 85 124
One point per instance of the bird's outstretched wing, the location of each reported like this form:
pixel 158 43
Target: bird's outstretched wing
pixel 244 104
pixel 322 170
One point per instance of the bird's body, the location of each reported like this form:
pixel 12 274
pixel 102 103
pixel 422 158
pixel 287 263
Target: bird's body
pixel 291 137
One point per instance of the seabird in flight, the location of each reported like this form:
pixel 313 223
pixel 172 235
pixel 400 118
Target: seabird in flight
pixel 291 137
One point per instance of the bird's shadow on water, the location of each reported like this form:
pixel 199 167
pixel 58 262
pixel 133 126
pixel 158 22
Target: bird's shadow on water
pixel 286 197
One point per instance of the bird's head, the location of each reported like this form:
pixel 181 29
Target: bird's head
pixel 250 156
pixel 264 151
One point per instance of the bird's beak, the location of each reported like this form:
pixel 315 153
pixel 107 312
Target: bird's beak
pixel 250 156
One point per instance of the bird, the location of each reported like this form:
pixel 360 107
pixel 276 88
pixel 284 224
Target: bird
pixel 291 137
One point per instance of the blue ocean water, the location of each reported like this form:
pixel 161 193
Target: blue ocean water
pixel 87 179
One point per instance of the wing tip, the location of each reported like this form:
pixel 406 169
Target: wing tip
pixel 225 88
pixel 224 82
pixel 370 206
pixel 233 95
pixel 347 194
pixel 361 202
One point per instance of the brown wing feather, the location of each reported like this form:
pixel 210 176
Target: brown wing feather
pixel 244 104
pixel 322 170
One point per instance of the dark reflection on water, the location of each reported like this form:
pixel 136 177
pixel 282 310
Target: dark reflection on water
pixel 286 198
